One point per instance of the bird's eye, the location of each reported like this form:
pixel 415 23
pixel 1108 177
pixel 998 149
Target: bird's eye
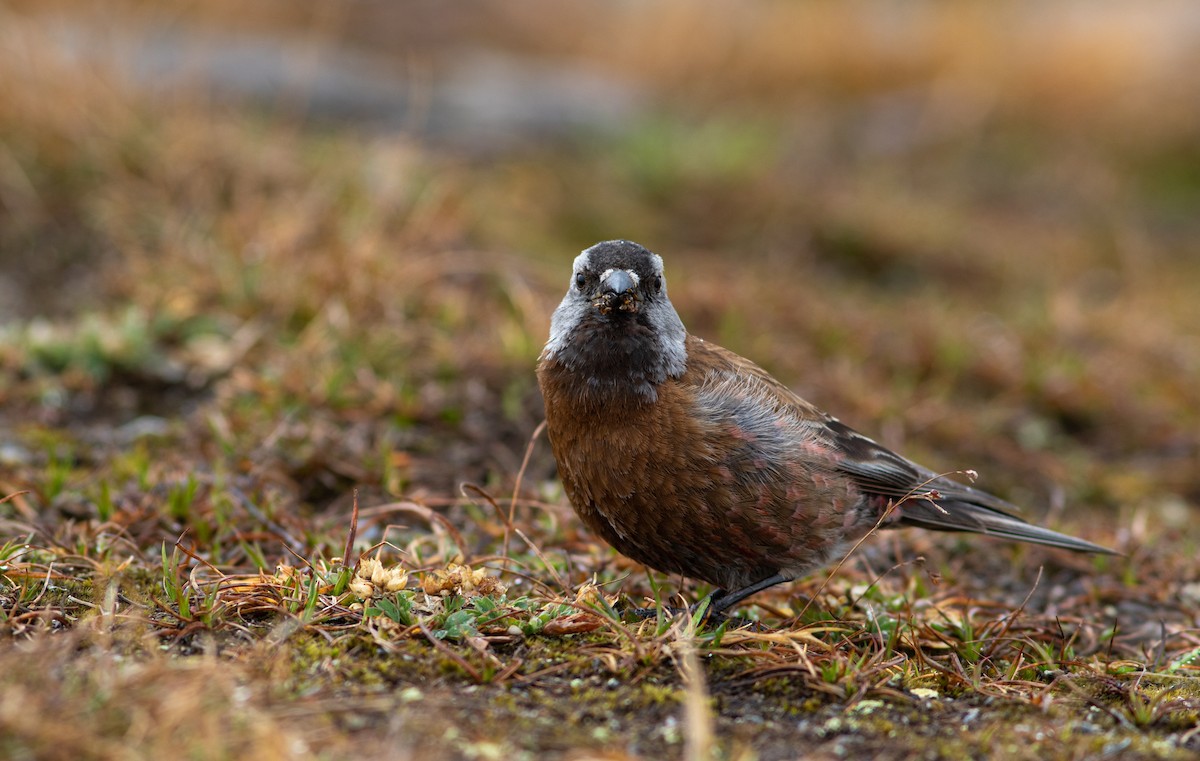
pixel 657 283
pixel 580 281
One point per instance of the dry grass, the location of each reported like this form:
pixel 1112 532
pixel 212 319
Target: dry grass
pixel 219 323
pixel 63 703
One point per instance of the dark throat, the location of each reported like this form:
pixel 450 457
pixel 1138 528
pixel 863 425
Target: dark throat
pixel 613 360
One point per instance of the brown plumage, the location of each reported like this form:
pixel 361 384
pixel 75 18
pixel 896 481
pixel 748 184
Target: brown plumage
pixel 693 460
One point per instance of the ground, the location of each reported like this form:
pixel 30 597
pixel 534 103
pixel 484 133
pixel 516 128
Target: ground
pixel 272 479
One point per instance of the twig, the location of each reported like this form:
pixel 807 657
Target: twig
pixel 431 517
pixel 1011 619
pixel 353 533
pixel 191 554
pixel 512 505
pixel 446 651
pixel 698 744
pixel 893 506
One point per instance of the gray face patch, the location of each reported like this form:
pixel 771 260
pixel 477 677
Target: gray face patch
pixel 652 342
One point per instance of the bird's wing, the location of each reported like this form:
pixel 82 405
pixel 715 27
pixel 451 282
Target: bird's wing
pixel 875 469
pixel 925 498
pixel 706 360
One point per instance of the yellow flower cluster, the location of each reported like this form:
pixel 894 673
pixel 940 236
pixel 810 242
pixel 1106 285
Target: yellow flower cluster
pixel 371 578
pixel 461 579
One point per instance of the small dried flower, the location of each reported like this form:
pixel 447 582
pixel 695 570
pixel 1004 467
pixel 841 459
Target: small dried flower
pixel 588 594
pixel 397 579
pixel 461 579
pixel 362 588
pixel 371 577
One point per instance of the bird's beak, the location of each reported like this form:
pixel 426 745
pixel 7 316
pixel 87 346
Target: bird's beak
pixel 618 290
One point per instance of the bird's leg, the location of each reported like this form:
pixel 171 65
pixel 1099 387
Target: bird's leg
pixel 718 601
pixel 711 617
pixel 721 599
pixel 705 602
pixel 652 612
pixel 709 603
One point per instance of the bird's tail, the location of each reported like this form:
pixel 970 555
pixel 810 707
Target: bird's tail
pixel 960 515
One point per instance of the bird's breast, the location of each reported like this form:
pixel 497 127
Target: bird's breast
pixel 693 483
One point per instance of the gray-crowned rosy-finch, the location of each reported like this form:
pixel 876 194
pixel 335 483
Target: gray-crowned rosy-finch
pixel 692 460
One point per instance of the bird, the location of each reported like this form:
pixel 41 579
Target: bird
pixel 693 460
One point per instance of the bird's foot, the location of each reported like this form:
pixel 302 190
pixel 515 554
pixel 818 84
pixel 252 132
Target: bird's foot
pixel 648 612
pixel 708 617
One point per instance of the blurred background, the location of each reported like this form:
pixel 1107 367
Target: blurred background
pixel 257 255
pixel 320 242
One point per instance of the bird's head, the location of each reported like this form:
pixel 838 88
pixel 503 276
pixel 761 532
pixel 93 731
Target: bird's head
pixel 617 277
pixel 616 319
